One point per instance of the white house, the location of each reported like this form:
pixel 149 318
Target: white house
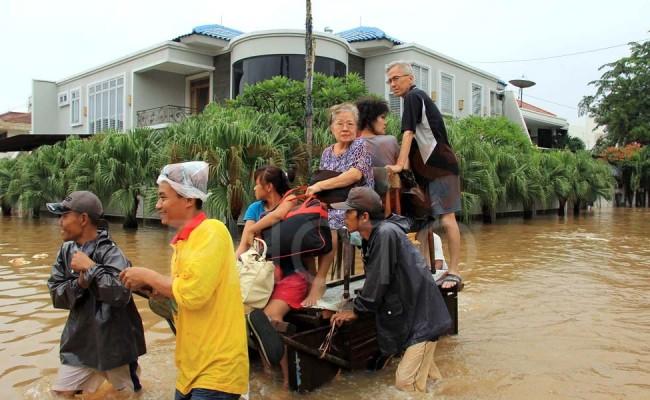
pixel 166 82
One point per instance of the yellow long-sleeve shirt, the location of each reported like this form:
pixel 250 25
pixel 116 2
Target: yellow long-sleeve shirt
pixel 211 347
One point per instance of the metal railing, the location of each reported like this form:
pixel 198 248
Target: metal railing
pixel 163 115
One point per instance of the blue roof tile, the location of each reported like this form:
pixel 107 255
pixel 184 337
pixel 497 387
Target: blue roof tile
pixel 217 31
pixel 365 33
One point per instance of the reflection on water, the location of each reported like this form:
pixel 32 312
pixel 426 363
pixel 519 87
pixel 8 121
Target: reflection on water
pixel 552 309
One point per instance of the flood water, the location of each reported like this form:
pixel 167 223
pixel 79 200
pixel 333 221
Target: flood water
pixel 552 309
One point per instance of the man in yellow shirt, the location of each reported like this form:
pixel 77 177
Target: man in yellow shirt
pixel 211 346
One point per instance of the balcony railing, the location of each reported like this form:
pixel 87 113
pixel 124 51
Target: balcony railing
pixel 163 115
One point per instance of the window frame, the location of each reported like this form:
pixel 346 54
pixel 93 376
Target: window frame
pixel 471 98
pixel 79 122
pixel 453 93
pixel 93 129
pixel 66 98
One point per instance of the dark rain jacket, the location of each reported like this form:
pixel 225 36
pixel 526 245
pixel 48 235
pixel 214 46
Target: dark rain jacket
pixel 400 290
pixel 104 329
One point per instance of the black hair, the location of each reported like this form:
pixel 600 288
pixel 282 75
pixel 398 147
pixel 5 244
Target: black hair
pixel 275 176
pixel 370 109
pixel 198 203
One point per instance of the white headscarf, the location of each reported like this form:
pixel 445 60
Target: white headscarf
pixel 188 179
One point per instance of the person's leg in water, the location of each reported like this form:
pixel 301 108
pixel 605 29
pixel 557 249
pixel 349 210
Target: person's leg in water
pixel 276 310
pixel 452 233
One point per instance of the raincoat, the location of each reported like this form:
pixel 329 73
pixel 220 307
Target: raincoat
pixel 400 289
pixel 104 329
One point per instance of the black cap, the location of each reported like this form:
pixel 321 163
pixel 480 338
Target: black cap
pixel 361 198
pixel 81 202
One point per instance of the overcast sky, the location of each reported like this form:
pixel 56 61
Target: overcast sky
pixel 51 40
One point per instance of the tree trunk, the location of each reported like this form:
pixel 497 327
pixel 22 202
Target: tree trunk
pixel 561 209
pixel 528 212
pixel 6 211
pixel 309 80
pixel 131 219
pixel 576 208
pixel 489 215
pixel 36 212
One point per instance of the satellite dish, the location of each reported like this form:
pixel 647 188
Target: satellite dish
pixel 521 84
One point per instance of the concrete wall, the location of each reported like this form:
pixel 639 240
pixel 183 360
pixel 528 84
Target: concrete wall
pixel 463 78
pixel 512 112
pixel 45 110
pixel 287 42
pixel 54 119
pixel 157 89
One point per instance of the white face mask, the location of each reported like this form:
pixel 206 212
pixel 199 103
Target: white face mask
pixel 355 239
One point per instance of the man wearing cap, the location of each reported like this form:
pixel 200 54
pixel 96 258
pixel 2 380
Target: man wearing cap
pixel 399 289
pixel 211 344
pixel 103 335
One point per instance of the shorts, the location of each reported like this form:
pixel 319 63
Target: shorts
pixel 444 193
pixel 73 378
pixel 291 289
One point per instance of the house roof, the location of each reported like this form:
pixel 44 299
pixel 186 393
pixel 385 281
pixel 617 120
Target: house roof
pixel 214 30
pixel 16 117
pixel 527 106
pixel 366 33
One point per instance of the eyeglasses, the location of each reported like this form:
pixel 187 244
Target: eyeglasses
pixel 394 79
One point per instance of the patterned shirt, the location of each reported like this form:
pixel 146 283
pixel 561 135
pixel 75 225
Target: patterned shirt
pixel 356 156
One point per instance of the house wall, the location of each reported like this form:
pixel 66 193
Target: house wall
pixel 512 112
pixel 157 88
pixel 463 78
pixel 44 106
pixel 55 119
pixel 286 42
pixel 221 80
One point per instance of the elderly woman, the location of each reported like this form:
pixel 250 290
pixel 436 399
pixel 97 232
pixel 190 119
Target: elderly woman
pixel 350 157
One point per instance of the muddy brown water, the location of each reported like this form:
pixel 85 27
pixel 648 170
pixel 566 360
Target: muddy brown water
pixel 552 309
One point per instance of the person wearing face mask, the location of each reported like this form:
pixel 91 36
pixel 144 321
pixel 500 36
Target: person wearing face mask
pixel 410 313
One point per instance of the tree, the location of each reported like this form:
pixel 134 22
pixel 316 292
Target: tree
pixel 622 102
pixel 309 81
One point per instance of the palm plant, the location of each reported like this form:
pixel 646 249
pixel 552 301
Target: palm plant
pixel 558 171
pixel 234 142
pixel 125 170
pixel 7 168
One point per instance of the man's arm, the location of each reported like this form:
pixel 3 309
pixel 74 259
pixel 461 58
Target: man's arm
pixel 411 116
pixel 103 277
pixel 65 289
pixel 382 258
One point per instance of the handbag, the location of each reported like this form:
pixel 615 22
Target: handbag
pixel 256 279
pixel 329 196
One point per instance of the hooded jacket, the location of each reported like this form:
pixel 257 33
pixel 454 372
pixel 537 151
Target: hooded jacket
pixel 104 329
pixel 400 290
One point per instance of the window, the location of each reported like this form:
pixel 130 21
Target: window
pixel 496 104
pixel 446 93
pixel 75 107
pixel 106 105
pixel 477 99
pixel 63 99
pixel 421 75
pixel 256 69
